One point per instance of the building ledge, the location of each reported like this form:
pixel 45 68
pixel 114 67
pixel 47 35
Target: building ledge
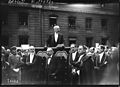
pixel 65 7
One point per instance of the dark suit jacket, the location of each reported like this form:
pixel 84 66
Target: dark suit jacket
pixel 101 64
pixel 99 72
pixel 32 69
pixel 34 63
pixel 51 40
pixel 56 66
pixel 14 61
pixel 72 62
pixel 41 66
pixel 86 70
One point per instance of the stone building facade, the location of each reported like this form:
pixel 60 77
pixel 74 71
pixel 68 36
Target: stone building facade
pixel 31 24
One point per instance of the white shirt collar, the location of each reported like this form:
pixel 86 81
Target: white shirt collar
pixel 80 57
pixel 74 55
pixel 51 56
pixel 31 57
pixel 56 36
pixel 49 59
pixel 101 55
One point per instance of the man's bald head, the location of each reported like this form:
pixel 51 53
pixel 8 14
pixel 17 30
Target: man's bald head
pixel 56 28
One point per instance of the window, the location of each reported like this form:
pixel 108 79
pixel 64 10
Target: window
pixel 23 18
pixel 4 40
pixel 72 40
pixel 89 41
pixel 71 22
pixel 27 1
pixel 5 20
pixel 88 23
pixel 23 39
pixel 104 41
pixel 53 20
pixel 104 24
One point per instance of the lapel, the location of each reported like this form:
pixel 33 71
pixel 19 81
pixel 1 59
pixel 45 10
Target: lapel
pixel 77 56
pixel 103 58
pixel 53 38
pixel 34 58
pixel 28 58
pixel 70 57
pixel 97 60
pixel 83 58
pixel 58 38
pixel 50 61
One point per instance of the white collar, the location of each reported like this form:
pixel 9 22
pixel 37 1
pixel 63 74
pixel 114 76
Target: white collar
pixel 74 55
pixel 80 57
pixel 56 33
pixel 101 53
pixel 32 53
pixel 50 56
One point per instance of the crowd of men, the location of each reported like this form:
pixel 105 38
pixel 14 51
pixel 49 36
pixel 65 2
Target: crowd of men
pixel 85 66
pixel 80 66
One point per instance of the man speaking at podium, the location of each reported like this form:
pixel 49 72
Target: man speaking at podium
pixel 55 39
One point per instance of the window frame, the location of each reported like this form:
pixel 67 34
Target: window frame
pixel 104 40
pixel 72 39
pixel 5 19
pixel 72 22
pixel 23 18
pixel 104 23
pixel 88 23
pixel 5 39
pixel 54 17
pixel 89 39
pixel 20 37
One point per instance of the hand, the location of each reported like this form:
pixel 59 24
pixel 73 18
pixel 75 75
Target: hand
pixel 73 71
pixel 53 74
pixel 7 63
pixel 28 63
pixel 60 45
pixel 105 62
pixel 96 67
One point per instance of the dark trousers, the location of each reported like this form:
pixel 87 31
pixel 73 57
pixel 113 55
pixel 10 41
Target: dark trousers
pixel 74 78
